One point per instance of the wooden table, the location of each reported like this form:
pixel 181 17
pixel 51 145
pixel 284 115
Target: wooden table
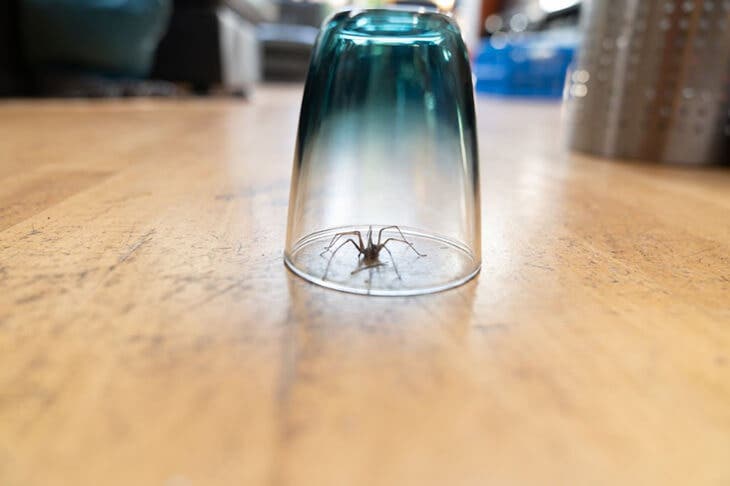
pixel 150 334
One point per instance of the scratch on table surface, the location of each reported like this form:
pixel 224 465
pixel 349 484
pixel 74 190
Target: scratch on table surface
pixel 699 252
pixel 34 231
pixel 109 279
pixel 141 241
pixel 31 298
pixel 237 284
pixel 128 197
pixel 544 267
pixel 131 232
pixel 81 276
pixel 171 293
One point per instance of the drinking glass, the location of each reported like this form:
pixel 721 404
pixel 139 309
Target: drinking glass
pixel 385 185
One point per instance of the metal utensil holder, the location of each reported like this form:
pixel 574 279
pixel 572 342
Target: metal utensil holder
pixel 652 81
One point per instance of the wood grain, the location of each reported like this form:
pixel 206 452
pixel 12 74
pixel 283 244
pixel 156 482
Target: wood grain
pixel 150 334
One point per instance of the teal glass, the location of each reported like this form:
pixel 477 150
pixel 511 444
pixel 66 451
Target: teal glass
pixel 386 151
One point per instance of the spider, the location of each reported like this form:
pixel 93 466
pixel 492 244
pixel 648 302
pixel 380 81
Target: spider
pixel 369 252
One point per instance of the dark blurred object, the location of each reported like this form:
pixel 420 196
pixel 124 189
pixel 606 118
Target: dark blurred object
pixel 212 43
pixel 534 15
pixel 416 3
pixel 529 65
pixel 287 43
pixel 12 75
pixel 489 7
pixel 89 48
pixel 653 80
pixel 559 13
pixel 112 37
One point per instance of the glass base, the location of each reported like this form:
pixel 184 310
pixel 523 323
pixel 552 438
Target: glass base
pixel 445 264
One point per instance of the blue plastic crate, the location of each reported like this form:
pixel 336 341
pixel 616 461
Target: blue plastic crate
pixel 531 65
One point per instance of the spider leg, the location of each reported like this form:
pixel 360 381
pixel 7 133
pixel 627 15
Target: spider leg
pixel 327 269
pixel 332 242
pixel 380 233
pixel 392 260
pixel 405 240
pixel 407 243
pixel 340 235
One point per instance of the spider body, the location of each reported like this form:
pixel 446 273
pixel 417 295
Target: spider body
pixel 371 252
pixel 368 251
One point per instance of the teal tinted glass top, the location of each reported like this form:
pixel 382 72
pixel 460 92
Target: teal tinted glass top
pixel 393 26
pixel 397 68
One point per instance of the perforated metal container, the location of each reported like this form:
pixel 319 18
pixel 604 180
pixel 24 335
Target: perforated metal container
pixel 652 81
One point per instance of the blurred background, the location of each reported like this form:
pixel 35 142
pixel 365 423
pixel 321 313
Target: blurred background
pixel 111 48
pixel 647 79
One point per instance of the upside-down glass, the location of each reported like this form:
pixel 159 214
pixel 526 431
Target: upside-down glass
pixel 386 151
